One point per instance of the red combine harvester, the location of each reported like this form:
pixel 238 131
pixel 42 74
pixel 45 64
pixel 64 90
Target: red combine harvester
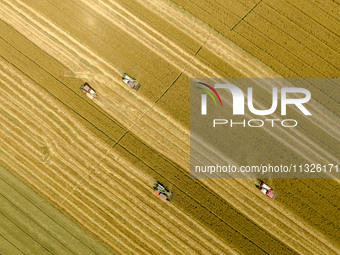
pixel 86 88
pixel 163 193
pixel 134 84
pixel 265 189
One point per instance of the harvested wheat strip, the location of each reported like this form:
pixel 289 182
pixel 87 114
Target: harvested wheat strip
pixel 126 185
pixel 133 174
pixel 293 231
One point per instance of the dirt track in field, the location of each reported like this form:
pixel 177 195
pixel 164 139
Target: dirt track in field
pixel 97 161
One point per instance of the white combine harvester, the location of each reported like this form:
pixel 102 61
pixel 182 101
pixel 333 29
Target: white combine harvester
pixel 86 88
pixel 265 189
pixel 134 84
pixel 163 193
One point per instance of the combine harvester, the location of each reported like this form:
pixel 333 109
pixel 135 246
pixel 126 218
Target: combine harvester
pixel 163 193
pixel 86 88
pixel 265 189
pixel 134 84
